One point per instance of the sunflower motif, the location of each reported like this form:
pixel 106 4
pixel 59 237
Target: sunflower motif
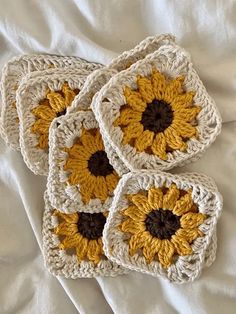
pixel 162 224
pixel 54 105
pixel 83 233
pixel 89 167
pixel 159 116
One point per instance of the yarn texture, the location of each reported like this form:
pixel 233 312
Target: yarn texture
pixel 163 224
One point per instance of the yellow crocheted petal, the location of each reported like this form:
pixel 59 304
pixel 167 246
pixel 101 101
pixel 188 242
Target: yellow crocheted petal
pixel 159 84
pixel 94 251
pixel 133 130
pixel 79 177
pixel 82 249
pixel 69 94
pixel 165 253
pixel 134 99
pixel 56 101
pixel 184 129
pixel 173 89
pixel 145 88
pixel 74 164
pixel 174 140
pixel 155 198
pixel 144 140
pixel 98 140
pixel 44 112
pixel 70 241
pixel 70 218
pixel 87 189
pixel 127 116
pixel 182 101
pixel 112 180
pixel 171 197
pixel 131 226
pixel 192 220
pixel 141 201
pixel 135 214
pixel 138 241
pixel 78 152
pixel 187 115
pixel 43 141
pixel 89 142
pixel 151 248
pixel 184 204
pixel 65 228
pixel 159 146
pixel 100 188
pixel 41 126
pixel 189 234
pixel 181 245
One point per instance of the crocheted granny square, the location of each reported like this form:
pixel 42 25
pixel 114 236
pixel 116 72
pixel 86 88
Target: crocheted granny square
pixel 163 224
pixel 101 76
pixel 73 245
pixel 12 74
pixel 157 114
pixel 81 177
pixel 41 97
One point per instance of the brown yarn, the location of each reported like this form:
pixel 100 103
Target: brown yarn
pixel 99 165
pixel 162 224
pixel 157 116
pixel 91 225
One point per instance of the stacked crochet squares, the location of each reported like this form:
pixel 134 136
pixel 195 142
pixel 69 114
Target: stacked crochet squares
pixel 105 137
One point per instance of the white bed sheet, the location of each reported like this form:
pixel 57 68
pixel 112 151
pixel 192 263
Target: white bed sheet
pixel 98 31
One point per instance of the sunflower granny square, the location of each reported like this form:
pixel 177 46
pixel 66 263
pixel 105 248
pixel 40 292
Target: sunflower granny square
pixel 163 224
pixel 12 74
pixel 73 244
pixel 157 114
pixel 41 97
pixel 81 177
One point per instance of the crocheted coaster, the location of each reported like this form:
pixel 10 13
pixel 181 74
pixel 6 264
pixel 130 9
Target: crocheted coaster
pixel 163 224
pixel 80 177
pixel 72 244
pixel 12 74
pixel 101 76
pixel 41 97
pixel 157 113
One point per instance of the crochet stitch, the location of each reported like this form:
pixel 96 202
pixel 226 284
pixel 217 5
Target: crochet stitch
pixel 163 224
pixel 41 97
pixel 81 177
pixel 157 113
pixel 72 244
pixel 12 74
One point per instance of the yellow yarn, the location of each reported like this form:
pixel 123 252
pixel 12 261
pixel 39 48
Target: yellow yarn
pixel 79 158
pixel 161 239
pixel 53 105
pixel 177 114
pixel 71 238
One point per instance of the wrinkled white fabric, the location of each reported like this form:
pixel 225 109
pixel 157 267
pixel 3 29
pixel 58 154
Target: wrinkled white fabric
pixel 98 31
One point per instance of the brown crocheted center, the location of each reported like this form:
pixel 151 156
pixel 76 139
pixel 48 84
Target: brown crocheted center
pixel 91 225
pixel 157 116
pixel 162 224
pixel 99 165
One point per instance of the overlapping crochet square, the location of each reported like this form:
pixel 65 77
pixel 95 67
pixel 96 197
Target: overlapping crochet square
pixel 12 74
pixel 157 114
pixel 41 97
pixel 163 224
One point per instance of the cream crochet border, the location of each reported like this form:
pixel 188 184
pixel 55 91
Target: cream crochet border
pixel 13 72
pixel 172 61
pixel 32 89
pixel 186 268
pixel 59 263
pixel 63 133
